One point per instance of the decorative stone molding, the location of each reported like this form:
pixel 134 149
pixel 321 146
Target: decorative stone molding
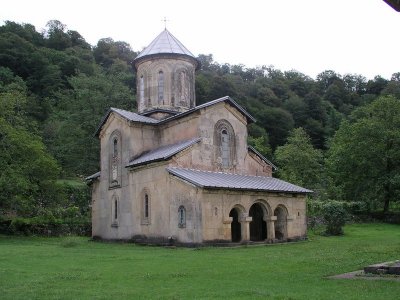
pixel 227 220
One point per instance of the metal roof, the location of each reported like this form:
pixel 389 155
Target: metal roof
pixel 134 117
pixel 93 176
pixel 162 153
pixel 250 118
pixel 251 148
pixel 140 118
pixel 219 180
pixel 128 115
pixel 165 43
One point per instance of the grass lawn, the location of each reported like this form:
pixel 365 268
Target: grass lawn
pixel 75 268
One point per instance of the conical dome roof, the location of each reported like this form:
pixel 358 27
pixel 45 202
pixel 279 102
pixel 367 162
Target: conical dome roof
pixel 165 43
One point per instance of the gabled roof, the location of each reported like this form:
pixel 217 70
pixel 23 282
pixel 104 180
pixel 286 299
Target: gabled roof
pixel 128 115
pixel 140 118
pixel 162 153
pixel 227 99
pixel 165 43
pixel 219 180
pixel 93 176
pixel 252 149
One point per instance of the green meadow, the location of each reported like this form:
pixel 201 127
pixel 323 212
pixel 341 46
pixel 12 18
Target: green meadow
pixel 77 268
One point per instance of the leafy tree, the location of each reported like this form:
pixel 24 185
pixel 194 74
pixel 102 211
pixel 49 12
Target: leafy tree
pixel 258 138
pixel 107 51
pixel 298 161
pixel 277 122
pixel 327 78
pixel 376 85
pixel 24 31
pixel 364 158
pixel 69 132
pixel 299 83
pixel 337 95
pixel 315 107
pixel 27 171
pixel 392 88
pixel 298 108
pixel 57 38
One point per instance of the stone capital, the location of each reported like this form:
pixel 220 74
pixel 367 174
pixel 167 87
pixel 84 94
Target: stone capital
pixel 227 220
pixel 247 219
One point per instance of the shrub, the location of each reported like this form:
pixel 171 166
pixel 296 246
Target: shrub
pixel 334 215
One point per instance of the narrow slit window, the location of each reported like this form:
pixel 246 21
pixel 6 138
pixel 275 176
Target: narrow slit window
pixel 115 210
pixel 115 148
pixel 181 216
pixel 160 87
pixel 225 149
pixel 146 206
pixel 141 90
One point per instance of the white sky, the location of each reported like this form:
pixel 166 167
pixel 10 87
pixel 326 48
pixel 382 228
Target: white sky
pixel 310 36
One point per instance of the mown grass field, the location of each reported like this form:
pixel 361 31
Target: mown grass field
pixel 75 268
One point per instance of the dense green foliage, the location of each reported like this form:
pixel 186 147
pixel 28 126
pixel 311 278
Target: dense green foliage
pixel 370 144
pixel 73 268
pixel 300 162
pixel 55 88
pixel 334 216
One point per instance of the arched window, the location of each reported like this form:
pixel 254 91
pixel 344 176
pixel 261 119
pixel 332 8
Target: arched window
pixel 115 159
pixel 141 90
pixel 114 211
pixel 146 207
pixel 161 87
pixel 225 148
pixel 184 90
pixel 181 216
pixel 115 148
pixel 224 144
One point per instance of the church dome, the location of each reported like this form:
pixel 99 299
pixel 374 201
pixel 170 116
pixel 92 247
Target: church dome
pixel 165 44
pixel 165 77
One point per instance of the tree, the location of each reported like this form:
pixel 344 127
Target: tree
pixel 57 38
pixel 258 138
pixel 364 158
pixel 69 132
pixel 326 78
pixel 376 85
pixel 277 123
pixel 298 161
pixel 27 171
pixel 107 51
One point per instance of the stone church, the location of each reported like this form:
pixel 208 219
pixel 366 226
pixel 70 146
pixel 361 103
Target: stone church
pixel 179 173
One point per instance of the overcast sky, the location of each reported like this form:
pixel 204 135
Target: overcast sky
pixel 310 36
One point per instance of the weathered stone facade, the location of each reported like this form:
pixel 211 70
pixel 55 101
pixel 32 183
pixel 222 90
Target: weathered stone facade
pixel 228 193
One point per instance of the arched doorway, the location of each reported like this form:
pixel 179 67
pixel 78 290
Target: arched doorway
pixel 236 228
pixel 281 223
pixel 258 227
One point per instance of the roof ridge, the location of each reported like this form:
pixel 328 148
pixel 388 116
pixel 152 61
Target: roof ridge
pixel 163 152
pixel 225 173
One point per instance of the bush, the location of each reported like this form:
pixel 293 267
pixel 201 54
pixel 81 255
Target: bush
pixel 46 226
pixel 334 215
pixel 67 213
pixel 329 217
